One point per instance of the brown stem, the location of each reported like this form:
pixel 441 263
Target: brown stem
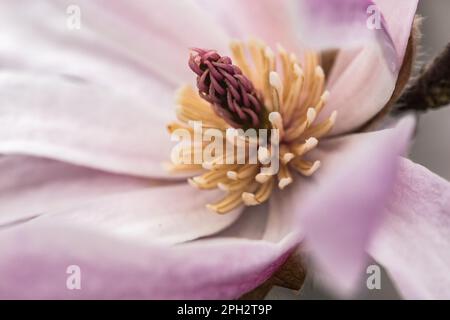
pixel 291 275
pixel 431 90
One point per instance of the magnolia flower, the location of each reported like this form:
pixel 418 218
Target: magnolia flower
pixel 83 136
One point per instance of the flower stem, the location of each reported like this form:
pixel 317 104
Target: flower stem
pixel 431 89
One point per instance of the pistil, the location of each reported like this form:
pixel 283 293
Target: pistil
pixel 230 93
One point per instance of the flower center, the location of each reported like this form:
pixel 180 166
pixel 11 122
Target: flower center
pixel 255 90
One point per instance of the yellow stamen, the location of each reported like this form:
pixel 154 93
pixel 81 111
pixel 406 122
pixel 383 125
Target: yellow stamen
pixel 322 129
pixel 284 177
pixel 229 202
pixel 192 108
pixel 260 196
pixel 293 98
pixel 303 148
pixel 306 168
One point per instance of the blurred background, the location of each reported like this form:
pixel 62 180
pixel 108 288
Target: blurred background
pixel 431 148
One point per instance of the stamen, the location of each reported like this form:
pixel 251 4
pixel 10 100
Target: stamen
pixel 323 100
pixel 286 155
pixel 310 80
pixel 304 148
pixel 284 177
pixel 192 108
pixel 231 201
pixel 322 129
pixel 287 70
pixel 289 106
pixel 260 196
pixel 235 185
pixel 275 81
pixel 220 162
pixel 252 93
pixel 306 168
pixel 263 155
pixel 277 123
pixel 238 51
pixel 185 153
pixel 209 180
pixel 247 171
pixel 262 177
pixel 232 175
pixel 173 126
pixel 299 128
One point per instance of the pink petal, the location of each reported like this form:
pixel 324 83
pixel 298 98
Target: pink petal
pixel 131 34
pixel 265 20
pixel 413 241
pixel 95 97
pixel 166 33
pixel 252 224
pixel 34 260
pixel 31 186
pixel 352 23
pixel 363 80
pixel 115 265
pixel 339 207
pixel 114 129
pixel 399 29
pixel 265 222
pixel 359 89
pixel 333 23
pixel 173 213
pixel 126 207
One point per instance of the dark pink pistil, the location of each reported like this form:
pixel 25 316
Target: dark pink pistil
pixel 231 94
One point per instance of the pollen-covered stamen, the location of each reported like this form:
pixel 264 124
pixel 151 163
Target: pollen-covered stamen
pixel 284 177
pixel 261 195
pixel 209 180
pixel 285 154
pixel 288 98
pixel 243 172
pixel 307 168
pixel 230 93
pixel 303 148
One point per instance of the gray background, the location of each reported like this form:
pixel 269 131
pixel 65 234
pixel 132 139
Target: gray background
pixel 431 148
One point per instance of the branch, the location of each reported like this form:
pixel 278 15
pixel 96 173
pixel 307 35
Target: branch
pixel 431 90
